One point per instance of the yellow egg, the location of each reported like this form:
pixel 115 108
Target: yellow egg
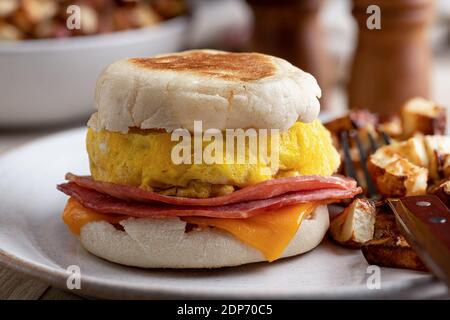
pixel 143 158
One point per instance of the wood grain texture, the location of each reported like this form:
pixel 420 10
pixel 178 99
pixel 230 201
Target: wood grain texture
pixel 57 294
pixel 14 286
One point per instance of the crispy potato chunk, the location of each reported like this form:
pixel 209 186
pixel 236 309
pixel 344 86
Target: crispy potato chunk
pixel 7 7
pixel 9 32
pixel 389 248
pixel 355 225
pixel 396 176
pixel 424 116
pixel 438 152
pixel 405 163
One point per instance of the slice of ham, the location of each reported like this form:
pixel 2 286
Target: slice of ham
pixel 264 190
pixel 105 203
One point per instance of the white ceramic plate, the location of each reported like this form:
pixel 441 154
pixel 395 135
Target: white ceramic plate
pixel 34 240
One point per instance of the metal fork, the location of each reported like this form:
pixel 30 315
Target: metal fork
pixel 345 138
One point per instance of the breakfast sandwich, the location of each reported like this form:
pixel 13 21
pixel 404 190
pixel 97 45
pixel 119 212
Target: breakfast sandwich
pixel 204 159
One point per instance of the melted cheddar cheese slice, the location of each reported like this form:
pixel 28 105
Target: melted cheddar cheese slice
pixel 270 233
pixel 75 216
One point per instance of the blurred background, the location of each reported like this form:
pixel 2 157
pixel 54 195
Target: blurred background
pixel 51 51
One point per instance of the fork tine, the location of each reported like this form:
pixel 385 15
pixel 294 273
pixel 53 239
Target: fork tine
pixel 371 190
pixel 373 142
pixel 348 163
pixel 386 138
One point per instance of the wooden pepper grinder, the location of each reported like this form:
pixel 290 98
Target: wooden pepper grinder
pixel 391 64
pixel 290 29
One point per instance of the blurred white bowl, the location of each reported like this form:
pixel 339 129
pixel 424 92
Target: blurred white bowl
pixel 53 81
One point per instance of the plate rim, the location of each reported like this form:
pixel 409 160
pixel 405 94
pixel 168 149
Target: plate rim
pixel 92 288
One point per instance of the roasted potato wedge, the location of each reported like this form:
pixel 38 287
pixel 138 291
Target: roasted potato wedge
pixel 137 16
pixel 438 152
pixel 392 252
pixel 10 32
pixel 353 120
pixel 389 248
pixel 89 20
pixel 423 116
pixel 442 190
pixel 430 153
pixel 355 225
pixel 413 150
pixel 7 7
pixel 392 127
pixel 395 176
pixel 39 10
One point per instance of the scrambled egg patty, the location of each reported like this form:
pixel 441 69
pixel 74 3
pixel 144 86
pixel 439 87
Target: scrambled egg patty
pixel 143 158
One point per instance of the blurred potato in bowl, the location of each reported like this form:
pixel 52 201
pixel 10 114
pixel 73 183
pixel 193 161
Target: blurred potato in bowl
pixel 36 19
pixel 48 70
pixel 7 7
pixel 50 81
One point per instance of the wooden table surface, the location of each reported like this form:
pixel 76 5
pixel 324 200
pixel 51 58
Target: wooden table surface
pixel 17 286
